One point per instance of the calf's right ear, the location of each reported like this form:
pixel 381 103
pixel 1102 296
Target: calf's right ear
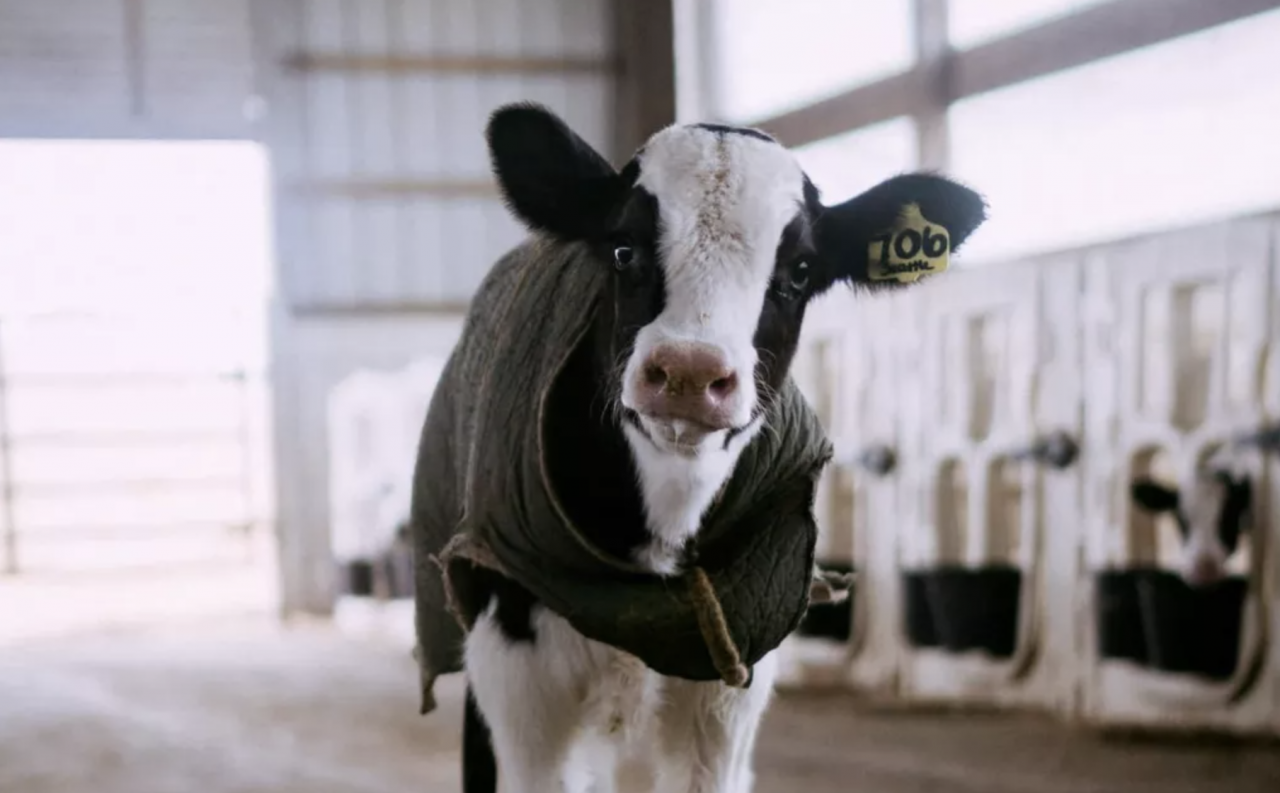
pixel 1153 497
pixel 551 179
pixel 914 204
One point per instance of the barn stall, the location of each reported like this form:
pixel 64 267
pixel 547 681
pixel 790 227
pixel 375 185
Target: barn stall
pixel 1001 559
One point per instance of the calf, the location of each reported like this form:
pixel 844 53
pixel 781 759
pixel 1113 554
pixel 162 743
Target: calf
pixel 702 254
pixel 1211 509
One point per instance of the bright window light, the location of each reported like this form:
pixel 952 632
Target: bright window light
pixel 973 22
pixel 844 165
pixel 772 56
pixel 142 227
pixel 1173 134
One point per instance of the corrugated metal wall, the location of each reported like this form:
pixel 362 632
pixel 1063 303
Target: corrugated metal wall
pixel 388 216
pixel 379 150
pixel 126 69
pixel 373 111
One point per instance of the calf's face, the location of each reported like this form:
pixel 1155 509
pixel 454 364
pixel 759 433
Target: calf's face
pixel 1211 511
pixel 716 241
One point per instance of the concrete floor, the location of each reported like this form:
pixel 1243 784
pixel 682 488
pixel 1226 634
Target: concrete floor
pixel 239 709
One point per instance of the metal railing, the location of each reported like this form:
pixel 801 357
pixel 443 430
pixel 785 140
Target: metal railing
pixel 25 539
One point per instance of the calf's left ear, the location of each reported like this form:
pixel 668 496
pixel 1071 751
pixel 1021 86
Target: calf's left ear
pixel 551 179
pixel 897 232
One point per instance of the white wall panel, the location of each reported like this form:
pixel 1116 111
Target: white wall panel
pixel 394 186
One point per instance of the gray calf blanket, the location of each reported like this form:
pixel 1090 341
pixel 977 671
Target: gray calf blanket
pixel 483 497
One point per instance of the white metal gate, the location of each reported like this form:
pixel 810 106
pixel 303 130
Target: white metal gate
pixel 1178 333
pixel 115 457
pixel 984 602
pixel 1021 400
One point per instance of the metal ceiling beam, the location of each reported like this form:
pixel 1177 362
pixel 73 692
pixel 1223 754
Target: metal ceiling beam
pixel 408 187
pixel 1090 35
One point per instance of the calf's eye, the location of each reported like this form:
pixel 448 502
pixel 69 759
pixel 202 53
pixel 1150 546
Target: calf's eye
pixel 622 256
pixel 799 277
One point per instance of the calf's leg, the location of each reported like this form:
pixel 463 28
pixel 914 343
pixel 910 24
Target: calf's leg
pixel 708 732
pixel 529 693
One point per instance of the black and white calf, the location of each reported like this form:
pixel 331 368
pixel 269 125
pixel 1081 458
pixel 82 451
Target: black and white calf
pixel 1211 508
pixel 716 241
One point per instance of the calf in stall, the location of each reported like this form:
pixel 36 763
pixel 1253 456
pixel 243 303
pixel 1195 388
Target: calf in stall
pixel 1211 508
pixel 612 511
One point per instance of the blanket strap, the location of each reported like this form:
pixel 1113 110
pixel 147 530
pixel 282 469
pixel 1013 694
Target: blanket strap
pixel 715 631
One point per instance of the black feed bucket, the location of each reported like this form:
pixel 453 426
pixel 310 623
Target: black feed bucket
pixel 1152 617
pixel 1192 630
pixel 356 578
pixel 962 609
pixel 1118 615
pixel 917 613
pixel 977 608
pixel 831 620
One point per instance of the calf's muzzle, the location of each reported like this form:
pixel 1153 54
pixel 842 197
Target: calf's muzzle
pixel 687 381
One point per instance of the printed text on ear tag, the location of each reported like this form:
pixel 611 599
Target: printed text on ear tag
pixel 915 246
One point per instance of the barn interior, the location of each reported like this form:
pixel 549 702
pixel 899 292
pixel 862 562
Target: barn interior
pixel 238 239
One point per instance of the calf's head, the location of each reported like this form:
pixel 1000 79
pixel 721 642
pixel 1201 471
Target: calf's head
pixel 716 241
pixel 1211 510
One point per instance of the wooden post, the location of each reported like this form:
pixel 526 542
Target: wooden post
pixel 933 56
pixel 644 33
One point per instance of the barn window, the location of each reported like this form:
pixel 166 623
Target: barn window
pixel 973 22
pixel 769 57
pixel 1120 122
pixel 844 165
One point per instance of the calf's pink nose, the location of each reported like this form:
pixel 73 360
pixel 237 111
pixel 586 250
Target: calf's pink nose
pixel 688 380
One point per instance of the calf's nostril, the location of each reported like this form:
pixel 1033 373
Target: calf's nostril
pixel 655 375
pixel 723 386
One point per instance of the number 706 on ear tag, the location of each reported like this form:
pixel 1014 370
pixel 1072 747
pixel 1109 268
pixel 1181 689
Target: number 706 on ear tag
pixel 914 247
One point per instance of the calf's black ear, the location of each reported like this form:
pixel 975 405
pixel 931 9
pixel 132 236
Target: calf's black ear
pixel 902 229
pixel 1153 497
pixel 551 179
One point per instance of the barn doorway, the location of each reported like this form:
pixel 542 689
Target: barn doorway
pixel 135 278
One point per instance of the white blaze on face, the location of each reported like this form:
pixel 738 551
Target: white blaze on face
pixel 723 202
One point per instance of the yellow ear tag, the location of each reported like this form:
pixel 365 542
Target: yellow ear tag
pixel 913 247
